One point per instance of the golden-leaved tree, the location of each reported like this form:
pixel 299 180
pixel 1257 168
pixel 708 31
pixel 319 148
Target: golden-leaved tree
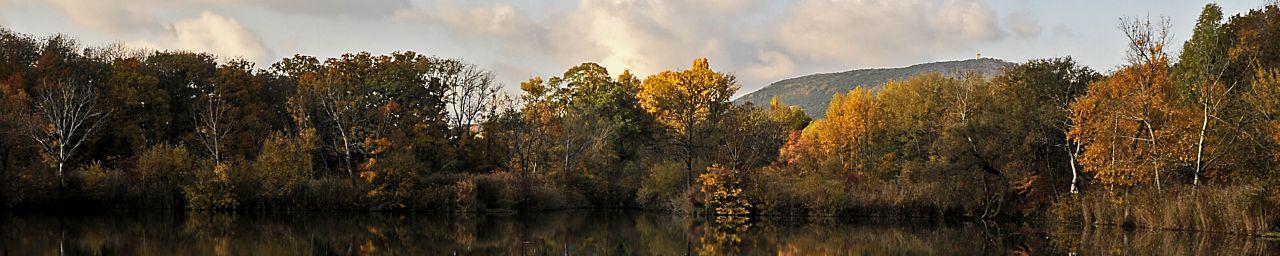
pixel 846 132
pixel 688 103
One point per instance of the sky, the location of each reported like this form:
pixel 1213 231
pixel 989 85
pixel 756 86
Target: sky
pixel 759 42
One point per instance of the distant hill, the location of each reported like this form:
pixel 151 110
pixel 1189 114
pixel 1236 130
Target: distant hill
pixel 813 92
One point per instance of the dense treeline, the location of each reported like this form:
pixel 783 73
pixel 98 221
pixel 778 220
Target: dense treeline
pixel 1187 142
pixel 116 127
pixel 1190 144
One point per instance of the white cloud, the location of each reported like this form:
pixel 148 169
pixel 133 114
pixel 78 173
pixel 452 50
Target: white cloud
pixel 215 34
pixel 879 32
pixel 647 36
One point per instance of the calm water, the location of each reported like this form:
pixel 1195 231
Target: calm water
pixel 574 233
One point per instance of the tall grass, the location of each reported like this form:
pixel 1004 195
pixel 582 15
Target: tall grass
pixel 1240 209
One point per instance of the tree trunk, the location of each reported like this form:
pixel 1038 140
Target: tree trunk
pixel 346 154
pixel 62 158
pixel 1154 146
pixel 1075 174
pixel 1204 125
pixel 688 154
pixel 61 180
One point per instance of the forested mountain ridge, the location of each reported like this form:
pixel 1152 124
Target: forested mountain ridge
pixel 813 92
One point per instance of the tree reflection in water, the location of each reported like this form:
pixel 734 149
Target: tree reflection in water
pixel 574 233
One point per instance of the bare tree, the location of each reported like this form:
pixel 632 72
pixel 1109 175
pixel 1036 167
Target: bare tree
pixel 472 95
pixel 213 123
pixel 341 107
pixel 67 114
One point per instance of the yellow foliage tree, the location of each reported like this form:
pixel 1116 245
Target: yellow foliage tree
pixel 847 130
pixel 688 102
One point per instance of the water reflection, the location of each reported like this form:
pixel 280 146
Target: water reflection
pixel 574 233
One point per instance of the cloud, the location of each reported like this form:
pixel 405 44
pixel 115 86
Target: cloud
pixel 650 36
pixel 771 65
pixel 215 34
pixel 112 16
pixel 874 32
pixel 1063 31
pixel 762 40
pixel 1023 25
pixel 326 8
pixel 116 16
pixel 644 35
pixel 496 20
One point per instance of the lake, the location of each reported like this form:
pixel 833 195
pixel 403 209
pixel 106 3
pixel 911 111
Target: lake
pixel 575 233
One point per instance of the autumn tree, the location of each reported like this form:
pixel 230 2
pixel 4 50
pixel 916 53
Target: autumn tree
pixel 749 136
pixel 1264 98
pixel 586 122
pixel 1128 123
pixel 179 75
pixel 335 90
pixel 143 107
pixel 16 151
pixel 846 133
pixel 686 102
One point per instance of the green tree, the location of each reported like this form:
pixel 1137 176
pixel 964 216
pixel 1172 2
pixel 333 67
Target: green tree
pixel 1033 109
pixel 1211 100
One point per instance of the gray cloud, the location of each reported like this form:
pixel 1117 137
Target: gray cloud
pixel 469 19
pixel 878 32
pixel 1023 25
pixel 116 16
pixel 761 40
pixel 1063 31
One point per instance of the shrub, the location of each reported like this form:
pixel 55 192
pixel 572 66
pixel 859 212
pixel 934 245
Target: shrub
pixel 394 179
pixel 284 164
pixel 212 189
pixel 722 190
pixel 773 192
pixel 465 196
pixel 494 192
pixel 333 192
pixel 103 185
pixel 665 187
pixel 162 173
